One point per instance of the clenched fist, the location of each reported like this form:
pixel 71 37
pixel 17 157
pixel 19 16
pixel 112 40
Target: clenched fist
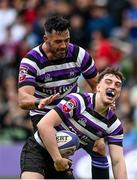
pixel 62 164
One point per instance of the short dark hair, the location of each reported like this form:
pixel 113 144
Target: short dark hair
pixel 57 23
pixel 111 70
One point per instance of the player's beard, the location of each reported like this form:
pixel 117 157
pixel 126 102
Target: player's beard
pixel 58 52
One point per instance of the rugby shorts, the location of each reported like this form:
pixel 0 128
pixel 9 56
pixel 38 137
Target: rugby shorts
pixel 35 158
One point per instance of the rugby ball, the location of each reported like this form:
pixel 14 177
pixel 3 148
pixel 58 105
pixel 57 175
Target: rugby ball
pixel 67 142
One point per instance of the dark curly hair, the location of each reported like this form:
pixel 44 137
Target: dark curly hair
pixel 57 23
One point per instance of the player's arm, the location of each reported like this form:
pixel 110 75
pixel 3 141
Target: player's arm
pixel 26 86
pixel 27 100
pixel 89 71
pixel 92 83
pixel 118 162
pixel 47 134
pixel 88 85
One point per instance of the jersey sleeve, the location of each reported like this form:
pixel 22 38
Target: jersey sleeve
pixel 69 107
pixel 115 132
pixel 88 67
pixel 27 73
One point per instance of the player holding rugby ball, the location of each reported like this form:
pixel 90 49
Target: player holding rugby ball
pixel 90 117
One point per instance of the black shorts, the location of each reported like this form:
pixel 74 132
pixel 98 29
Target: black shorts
pixel 35 158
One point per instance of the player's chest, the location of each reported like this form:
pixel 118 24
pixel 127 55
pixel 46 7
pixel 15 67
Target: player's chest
pixel 91 123
pixel 52 73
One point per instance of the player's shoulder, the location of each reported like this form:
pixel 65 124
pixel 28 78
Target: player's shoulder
pixel 35 55
pixel 75 49
pixel 84 96
pixel 35 51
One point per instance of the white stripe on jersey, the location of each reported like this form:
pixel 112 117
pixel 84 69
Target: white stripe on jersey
pixel 31 63
pixel 63 101
pixel 95 120
pixel 117 136
pixel 64 126
pixel 82 102
pixel 92 64
pixel 60 82
pixel 113 126
pixel 33 113
pixel 30 76
pixel 91 95
pixel 83 130
pixel 48 68
pixel 38 50
pixel 41 94
pixel 37 138
pixel 51 68
pixel 80 57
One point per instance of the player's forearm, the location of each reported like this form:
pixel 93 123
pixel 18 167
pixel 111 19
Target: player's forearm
pixel 48 137
pixel 49 140
pixel 27 101
pixel 119 170
pixel 92 83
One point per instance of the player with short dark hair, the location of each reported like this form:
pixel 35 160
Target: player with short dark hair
pixel 57 23
pixel 47 74
pixel 91 118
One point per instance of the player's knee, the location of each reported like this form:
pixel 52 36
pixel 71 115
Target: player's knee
pixel 31 175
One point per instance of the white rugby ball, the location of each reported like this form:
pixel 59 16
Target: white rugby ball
pixel 67 142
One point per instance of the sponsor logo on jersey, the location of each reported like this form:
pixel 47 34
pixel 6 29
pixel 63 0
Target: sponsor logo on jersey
pixel 22 73
pixel 69 106
pixel 82 121
pixel 71 74
pixel 47 78
pixel 55 90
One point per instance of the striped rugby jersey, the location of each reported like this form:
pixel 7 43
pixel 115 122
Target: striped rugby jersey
pixel 57 76
pixel 77 113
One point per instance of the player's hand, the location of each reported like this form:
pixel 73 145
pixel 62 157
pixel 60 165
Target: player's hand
pixel 46 101
pixel 62 164
pixel 99 147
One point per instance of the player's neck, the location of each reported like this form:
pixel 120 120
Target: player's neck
pixel 47 51
pixel 99 107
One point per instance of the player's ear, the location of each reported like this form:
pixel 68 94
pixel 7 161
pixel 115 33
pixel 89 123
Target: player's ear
pixel 45 38
pixel 98 88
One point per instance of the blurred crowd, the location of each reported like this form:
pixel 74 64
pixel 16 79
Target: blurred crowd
pixel 106 28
